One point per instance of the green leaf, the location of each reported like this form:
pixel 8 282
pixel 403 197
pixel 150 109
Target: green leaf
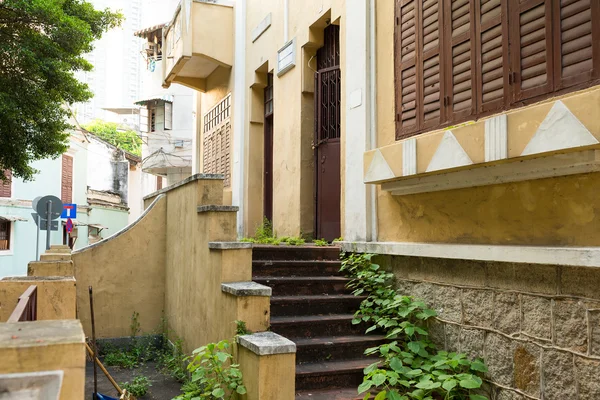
pixel 449 384
pixel 477 397
pixel 473 382
pixel 415 347
pixel 394 395
pixel 366 385
pixel 478 365
pixel 396 364
pixel 378 378
pixel 381 395
pixel 370 368
pixel 218 393
pixel 241 389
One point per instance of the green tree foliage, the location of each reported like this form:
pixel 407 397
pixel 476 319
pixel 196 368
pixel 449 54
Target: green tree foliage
pixel 42 43
pixel 110 132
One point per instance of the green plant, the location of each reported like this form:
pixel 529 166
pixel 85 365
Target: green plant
pixel 293 241
pixel 241 328
pixel 172 361
pixel 340 239
pixel 411 366
pixel 139 385
pixel 213 373
pixel 122 359
pixel 264 234
pixel 321 242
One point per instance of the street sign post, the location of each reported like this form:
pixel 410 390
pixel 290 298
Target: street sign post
pixel 69 226
pixel 48 209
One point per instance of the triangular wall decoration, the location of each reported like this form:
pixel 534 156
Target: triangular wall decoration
pixel 378 169
pixel 560 130
pixel 449 154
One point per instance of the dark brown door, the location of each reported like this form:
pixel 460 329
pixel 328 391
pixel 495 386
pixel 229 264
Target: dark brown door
pixel 268 167
pixel 327 136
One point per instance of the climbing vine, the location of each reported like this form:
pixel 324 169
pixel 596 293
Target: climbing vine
pixel 411 367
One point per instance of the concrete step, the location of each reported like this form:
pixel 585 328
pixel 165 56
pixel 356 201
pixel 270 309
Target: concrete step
pixel 296 267
pixel 304 253
pixel 308 326
pixel 335 348
pixel 331 374
pixel 314 305
pixel 305 285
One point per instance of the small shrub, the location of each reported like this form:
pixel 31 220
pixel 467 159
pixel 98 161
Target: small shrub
pixel 321 242
pixel 172 361
pixel 213 375
pixel 138 387
pixel 241 328
pixel 293 241
pixel 121 359
pixel 340 239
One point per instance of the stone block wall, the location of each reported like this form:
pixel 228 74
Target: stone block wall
pixel 536 326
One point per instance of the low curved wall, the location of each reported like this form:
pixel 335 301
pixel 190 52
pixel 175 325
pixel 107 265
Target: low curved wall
pixel 113 267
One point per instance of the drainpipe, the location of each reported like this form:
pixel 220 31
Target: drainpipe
pixel 372 114
pixel 239 110
pixel 286 20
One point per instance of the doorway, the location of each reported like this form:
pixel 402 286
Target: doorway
pixel 268 162
pixel 328 85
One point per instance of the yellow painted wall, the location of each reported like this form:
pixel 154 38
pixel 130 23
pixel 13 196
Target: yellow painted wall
pixel 127 274
pixel 554 211
pixel 293 187
pixel 268 377
pixel 55 296
pixel 46 346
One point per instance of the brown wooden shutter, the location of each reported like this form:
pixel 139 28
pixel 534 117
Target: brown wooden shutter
pixel 459 68
pixel 576 40
pixel 493 64
pixel 6 186
pixel 531 48
pixel 429 69
pixel 159 182
pixel 67 179
pixel 405 44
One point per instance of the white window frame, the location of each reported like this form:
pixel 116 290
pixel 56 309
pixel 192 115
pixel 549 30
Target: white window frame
pixel 11 242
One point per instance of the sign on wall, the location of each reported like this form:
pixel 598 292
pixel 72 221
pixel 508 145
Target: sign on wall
pixel 286 57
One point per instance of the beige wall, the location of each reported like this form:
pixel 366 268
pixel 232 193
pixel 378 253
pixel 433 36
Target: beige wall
pixel 268 377
pixel 554 211
pixel 46 346
pixel 127 273
pixel 55 296
pixel 293 180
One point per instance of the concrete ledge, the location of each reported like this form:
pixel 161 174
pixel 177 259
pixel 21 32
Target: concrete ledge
pixel 246 289
pixel 267 343
pixel 192 178
pixel 229 245
pixel 217 208
pixel 570 256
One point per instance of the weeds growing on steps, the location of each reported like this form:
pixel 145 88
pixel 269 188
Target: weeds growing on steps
pixel 411 367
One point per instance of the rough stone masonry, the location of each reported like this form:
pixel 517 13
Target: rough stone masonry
pixel 536 326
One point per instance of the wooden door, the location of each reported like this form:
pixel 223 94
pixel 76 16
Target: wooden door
pixel 268 151
pixel 327 136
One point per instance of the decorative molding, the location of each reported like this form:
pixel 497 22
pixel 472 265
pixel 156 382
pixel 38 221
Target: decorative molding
pixel 261 27
pixel 286 57
pixel 496 138
pixel 378 169
pixel 569 256
pixel 409 157
pixel 560 130
pixel 574 162
pixel 449 154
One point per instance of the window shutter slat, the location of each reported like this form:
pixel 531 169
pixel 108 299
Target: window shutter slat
pixel 429 24
pixel 168 115
pixel 144 119
pixel 67 179
pixel 574 42
pixel 6 186
pixel 531 48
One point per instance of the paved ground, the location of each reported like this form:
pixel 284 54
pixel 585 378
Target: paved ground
pixel 163 387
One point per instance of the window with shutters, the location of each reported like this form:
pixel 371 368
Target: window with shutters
pixel 457 60
pixel 5 227
pixel 159 182
pixel 66 193
pixel 6 185
pixel 216 143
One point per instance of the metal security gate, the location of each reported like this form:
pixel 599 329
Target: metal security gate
pixel 327 136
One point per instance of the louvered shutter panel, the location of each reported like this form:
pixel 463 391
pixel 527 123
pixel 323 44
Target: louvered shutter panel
pixel 168 115
pixel 144 119
pixel 459 68
pixel 405 67
pixel 67 179
pixel 531 48
pixel 576 40
pixel 5 186
pixel 429 24
pixel 493 66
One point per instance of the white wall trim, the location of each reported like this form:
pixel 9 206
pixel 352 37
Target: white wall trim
pixel 372 134
pixel 517 170
pixel 569 256
pixel 262 27
pixel 239 111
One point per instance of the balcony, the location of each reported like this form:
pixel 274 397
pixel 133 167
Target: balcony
pixel 198 40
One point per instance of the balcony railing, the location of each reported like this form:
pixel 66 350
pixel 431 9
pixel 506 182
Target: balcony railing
pixel 26 309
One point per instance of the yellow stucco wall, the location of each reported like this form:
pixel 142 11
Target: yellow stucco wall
pixel 268 377
pixel 46 346
pixel 293 163
pixel 50 268
pixel 552 211
pixel 127 274
pixel 55 296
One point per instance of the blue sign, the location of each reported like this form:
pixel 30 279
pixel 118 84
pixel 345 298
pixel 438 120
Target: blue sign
pixel 69 211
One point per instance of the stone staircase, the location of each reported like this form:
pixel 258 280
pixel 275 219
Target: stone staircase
pixel 312 307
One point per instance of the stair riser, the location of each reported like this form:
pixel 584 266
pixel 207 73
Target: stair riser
pixel 329 381
pixel 295 253
pixel 308 268
pixel 308 330
pixel 305 288
pixel 333 352
pixel 287 308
